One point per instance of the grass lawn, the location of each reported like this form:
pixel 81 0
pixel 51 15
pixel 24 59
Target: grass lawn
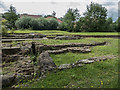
pixel 58 32
pixel 84 40
pixel 102 74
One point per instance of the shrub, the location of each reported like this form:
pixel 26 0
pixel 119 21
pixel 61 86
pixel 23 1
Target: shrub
pixel 4 31
pixel 23 23
pixel 34 24
pixel 43 23
pixel 62 26
pixel 52 23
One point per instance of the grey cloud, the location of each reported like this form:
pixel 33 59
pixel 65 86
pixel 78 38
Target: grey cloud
pixel 109 3
pixel 74 4
pixel 112 12
pixel 2 5
pixel 53 2
pixel 119 9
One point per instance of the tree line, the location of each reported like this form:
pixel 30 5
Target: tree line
pixel 94 19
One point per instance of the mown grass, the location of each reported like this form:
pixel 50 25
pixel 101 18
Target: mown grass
pixel 58 32
pixel 110 49
pixel 102 74
pixel 56 42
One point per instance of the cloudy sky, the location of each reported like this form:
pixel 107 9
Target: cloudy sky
pixel 39 7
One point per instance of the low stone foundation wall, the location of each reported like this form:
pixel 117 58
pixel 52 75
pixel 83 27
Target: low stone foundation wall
pixel 85 61
pixel 40 48
pixel 70 49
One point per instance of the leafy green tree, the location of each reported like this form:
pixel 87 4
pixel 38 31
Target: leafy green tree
pixel 70 18
pixel 109 25
pixel 95 17
pixel 118 22
pixel 116 25
pixel 80 25
pixel 11 16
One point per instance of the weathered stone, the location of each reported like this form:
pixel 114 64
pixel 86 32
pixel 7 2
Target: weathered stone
pixel 35 35
pixel 45 62
pixel 69 49
pixel 65 66
pixel 7 80
pixel 41 48
pixel 85 61
pixel 65 37
pixel 19 78
pixel 11 58
pixel 10 50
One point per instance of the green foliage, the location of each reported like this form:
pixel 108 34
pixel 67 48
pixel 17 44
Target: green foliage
pixel 4 31
pixel 70 18
pixel 80 25
pixel 63 26
pixel 33 58
pixel 95 18
pixel 109 25
pixel 116 25
pixel 52 23
pixel 23 23
pixel 42 23
pixel 11 16
pixel 36 24
pixel 12 31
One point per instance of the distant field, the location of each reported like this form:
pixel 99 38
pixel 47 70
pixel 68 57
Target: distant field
pixel 58 32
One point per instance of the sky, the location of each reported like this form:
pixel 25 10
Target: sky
pixel 38 7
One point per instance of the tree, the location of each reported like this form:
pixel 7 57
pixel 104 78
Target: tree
pixel 70 18
pixel 95 17
pixel 116 25
pixel 109 24
pixel 11 16
pixel 80 25
pixel 118 30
